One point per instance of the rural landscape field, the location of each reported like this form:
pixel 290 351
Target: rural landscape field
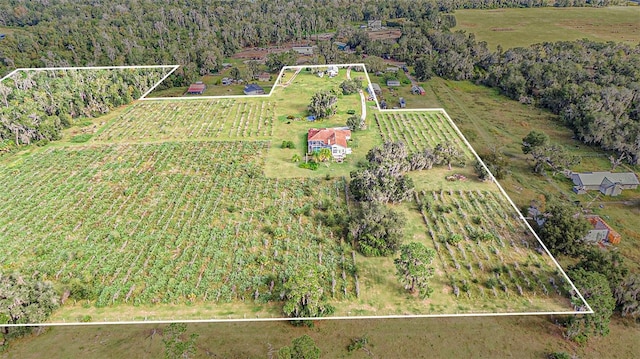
pixel 202 203
pixel 168 210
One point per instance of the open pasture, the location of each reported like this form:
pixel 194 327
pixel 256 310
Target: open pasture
pixel 166 223
pixel 192 119
pixel 485 252
pixel 522 27
pixel 419 130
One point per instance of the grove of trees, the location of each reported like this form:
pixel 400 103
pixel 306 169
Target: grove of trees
pixel 37 105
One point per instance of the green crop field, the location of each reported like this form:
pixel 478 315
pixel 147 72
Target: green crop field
pixel 196 217
pixel 522 27
pixel 192 119
pixel 420 130
pixel 190 209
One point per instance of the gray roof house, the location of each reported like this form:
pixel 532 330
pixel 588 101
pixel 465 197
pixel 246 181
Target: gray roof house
pixel 253 89
pixel 393 83
pixel 610 184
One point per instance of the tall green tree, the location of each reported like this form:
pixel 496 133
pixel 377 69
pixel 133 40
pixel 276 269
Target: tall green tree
pixel 608 263
pixel 323 104
pixel 301 348
pixel 448 153
pixel 627 296
pixel 414 268
pixel 423 68
pixel 304 294
pixel 24 300
pixel 563 231
pixel 594 287
pixel 534 139
pixel 376 230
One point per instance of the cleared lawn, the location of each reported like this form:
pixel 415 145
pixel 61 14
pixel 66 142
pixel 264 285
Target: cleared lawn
pixel 522 27
pixel 292 100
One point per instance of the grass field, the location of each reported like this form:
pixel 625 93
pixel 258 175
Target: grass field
pixel 522 27
pixel 504 337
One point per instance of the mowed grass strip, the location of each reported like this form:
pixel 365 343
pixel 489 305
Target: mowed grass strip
pixel 522 27
pixel 192 119
pixel 170 223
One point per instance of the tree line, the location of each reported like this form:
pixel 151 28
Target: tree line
pixel 36 105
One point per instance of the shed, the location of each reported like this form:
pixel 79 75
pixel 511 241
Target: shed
pixel 341 46
pixel 393 83
pixel 304 50
pixel 376 89
pixel 253 89
pixel 392 69
pixel 227 81
pixel 2 36
pixel 197 88
pixel 264 77
pixel 402 102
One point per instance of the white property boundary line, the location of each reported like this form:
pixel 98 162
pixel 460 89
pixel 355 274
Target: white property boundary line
pixel 172 67
pixel 372 93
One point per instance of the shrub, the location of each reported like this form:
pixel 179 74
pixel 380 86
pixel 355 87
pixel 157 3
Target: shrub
pixel 454 238
pixel 81 138
pixel 288 144
pixel 309 165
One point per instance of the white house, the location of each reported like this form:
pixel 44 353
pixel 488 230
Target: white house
pixel 332 138
pixel 332 71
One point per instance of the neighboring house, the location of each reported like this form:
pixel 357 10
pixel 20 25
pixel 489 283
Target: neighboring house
pixel 393 83
pixel 197 88
pixel 304 50
pixel 601 232
pixel 332 71
pixel 253 89
pixel 332 138
pixel 264 77
pixel 610 184
pixel 392 70
pixel 417 90
pixel 227 81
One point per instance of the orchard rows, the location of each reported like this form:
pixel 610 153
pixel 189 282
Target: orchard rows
pixel 485 250
pixel 194 119
pixel 170 222
pixel 419 130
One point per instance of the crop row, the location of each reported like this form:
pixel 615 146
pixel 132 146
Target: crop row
pixel 419 130
pixel 170 222
pixel 484 248
pixel 194 119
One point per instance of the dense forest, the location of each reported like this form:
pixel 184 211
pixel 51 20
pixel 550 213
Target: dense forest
pixel 594 87
pixel 37 105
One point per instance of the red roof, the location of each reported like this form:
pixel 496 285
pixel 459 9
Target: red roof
pixel 329 136
pixel 599 223
pixel 197 88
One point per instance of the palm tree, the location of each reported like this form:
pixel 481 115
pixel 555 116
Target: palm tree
pixel 325 154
